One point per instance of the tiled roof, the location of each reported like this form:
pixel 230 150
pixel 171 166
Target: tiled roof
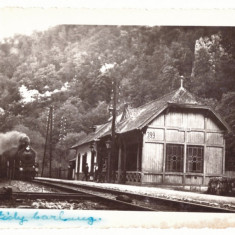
pixel 137 118
pixel 100 130
pixel 142 114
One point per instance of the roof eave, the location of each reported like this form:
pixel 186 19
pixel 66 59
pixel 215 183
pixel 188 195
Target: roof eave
pixel 85 143
pixel 229 129
pixel 152 118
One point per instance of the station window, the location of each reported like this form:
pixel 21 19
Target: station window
pixel 195 158
pixel 174 157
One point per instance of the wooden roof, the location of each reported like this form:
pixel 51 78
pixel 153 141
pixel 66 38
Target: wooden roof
pixel 137 118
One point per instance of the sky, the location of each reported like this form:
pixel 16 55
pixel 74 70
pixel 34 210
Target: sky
pixel 149 12
pixel 24 21
pixel 122 3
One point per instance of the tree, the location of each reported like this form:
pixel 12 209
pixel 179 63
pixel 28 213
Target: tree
pixel 8 92
pixel 148 63
pixel 227 107
pixel 63 151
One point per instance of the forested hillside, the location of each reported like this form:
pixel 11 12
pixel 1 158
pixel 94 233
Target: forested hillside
pixel 71 67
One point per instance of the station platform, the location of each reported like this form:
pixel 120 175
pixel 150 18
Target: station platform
pixel 160 192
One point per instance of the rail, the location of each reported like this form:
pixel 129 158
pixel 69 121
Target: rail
pixel 153 203
pixel 121 204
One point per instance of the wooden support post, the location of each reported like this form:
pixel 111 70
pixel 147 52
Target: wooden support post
pixel 223 161
pixel 124 164
pixel 139 155
pixel 223 156
pixel 205 152
pixel 109 166
pixel 120 163
pixel 184 161
pixel 99 157
pixel 14 168
pixel 164 151
pixel 164 163
pixel 142 158
pixel 204 166
pixel 138 165
pixel 184 157
pixel 92 161
pixel 78 165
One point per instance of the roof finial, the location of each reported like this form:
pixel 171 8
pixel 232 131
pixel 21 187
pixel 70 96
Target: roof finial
pixel 181 81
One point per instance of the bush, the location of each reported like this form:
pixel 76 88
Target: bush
pixel 221 185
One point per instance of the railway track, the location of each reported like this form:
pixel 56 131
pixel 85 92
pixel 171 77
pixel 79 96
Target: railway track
pixel 50 196
pixel 141 202
pixel 70 193
pixel 112 202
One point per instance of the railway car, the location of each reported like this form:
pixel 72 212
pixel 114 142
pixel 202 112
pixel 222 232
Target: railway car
pixel 21 166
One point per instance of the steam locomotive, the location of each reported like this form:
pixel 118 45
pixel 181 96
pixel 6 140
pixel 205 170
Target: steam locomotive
pixel 21 166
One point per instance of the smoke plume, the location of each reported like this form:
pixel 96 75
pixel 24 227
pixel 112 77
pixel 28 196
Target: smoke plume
pixel 11 142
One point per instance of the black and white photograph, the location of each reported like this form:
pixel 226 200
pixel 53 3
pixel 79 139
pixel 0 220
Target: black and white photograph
pixel 127 118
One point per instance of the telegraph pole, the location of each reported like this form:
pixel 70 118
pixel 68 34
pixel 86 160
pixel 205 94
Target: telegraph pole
pixel 49 129
pixel 114 108
pixel 61 139
pixel 51 123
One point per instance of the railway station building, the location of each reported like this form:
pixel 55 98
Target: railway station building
pixel 174 140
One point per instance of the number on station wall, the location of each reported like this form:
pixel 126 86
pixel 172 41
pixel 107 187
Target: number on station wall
pixel 154 135
pixel 151 135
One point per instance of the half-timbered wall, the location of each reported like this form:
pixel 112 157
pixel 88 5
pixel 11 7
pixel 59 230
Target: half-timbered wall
pixel 195 135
